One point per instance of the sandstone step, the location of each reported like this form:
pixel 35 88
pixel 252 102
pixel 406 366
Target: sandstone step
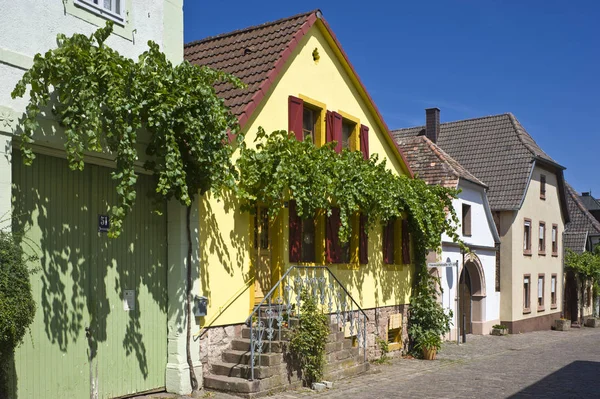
pixel 243 344
pixel 243 357
pixel 231 384
pixel 285 334
pixel 334 365
pixel 334 346
pixel 334 337
pixel 351 371
pixel 244 371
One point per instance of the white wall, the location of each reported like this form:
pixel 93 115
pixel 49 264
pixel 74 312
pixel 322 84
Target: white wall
pixel 482 243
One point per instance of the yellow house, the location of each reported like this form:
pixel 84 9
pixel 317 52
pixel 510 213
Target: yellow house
pixel 298 79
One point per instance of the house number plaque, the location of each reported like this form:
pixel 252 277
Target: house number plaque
pixel 103 223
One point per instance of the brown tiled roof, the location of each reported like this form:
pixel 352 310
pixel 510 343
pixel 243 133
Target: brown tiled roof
pixel 590 202
pixel 257 54
pixel 496 149
pixel 432 164
pixel 582 223
pixel 254 55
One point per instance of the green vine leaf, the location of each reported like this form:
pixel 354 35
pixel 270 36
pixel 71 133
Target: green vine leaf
pixel 106 101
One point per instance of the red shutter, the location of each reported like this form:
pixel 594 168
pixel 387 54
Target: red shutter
pixel 295 239
pixel 337 131
pixel 333 248
pixel 364 141
pixel 329 127
pixel 388 243
pixel 405 243
pixel 295 114
pixel 363 245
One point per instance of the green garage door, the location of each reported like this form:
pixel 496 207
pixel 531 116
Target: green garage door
pixel 101 327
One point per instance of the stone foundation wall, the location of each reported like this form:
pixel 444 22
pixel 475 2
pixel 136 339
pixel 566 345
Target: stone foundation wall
pixel 214 341
pixel 377 326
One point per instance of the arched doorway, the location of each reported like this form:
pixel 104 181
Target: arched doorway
pixel 464 306
pixel 472 296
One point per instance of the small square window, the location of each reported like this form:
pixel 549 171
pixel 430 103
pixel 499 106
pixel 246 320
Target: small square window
pixel 111 9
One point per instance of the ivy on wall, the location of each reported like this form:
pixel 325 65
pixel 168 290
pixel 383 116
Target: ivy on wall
pixel 280 168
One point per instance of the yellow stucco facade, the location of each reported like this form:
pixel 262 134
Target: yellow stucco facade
pixel 227 234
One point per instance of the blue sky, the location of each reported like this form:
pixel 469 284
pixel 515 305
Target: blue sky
pixel 538 59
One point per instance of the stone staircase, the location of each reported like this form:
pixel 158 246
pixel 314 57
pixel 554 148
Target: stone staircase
pixel 274 370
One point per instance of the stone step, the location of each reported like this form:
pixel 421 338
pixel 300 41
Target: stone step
pixel 285 333
pixel 334 346
pixel 333 365
pixel 244 371
pixel 243 344
pixel 351 371
pixel 231 384
pixel 335 337
pixel 243 357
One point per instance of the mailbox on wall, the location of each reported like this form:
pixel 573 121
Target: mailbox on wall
pixel 200 306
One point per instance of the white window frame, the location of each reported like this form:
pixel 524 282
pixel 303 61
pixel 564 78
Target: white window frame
pixel 112 14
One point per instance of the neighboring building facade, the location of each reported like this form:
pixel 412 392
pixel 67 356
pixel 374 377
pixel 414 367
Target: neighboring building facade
pixel 105 309
pixel 592 204
pixel 528 200
pixel 298 78
pixel 479 299
pixel 582 234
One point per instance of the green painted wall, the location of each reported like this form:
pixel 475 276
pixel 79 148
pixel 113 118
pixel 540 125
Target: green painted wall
pixel 81 281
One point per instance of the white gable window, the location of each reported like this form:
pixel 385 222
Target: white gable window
pixel 111 9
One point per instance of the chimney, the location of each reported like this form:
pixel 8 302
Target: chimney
pixel 432 123
pixel 586 194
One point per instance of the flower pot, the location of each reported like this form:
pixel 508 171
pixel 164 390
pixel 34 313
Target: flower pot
pixel 499 331
pixel 429 354
pixel 562 325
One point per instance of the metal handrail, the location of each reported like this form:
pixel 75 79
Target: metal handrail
pixel 256 340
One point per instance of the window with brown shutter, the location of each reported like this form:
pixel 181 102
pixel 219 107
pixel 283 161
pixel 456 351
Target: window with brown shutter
pixel 466 220
pixel 336 251
pixel 295 234
pixel 554 240
pixel 405 242
pixel 388 243
pixel 527 237
pixel 542 239
pixel 334 126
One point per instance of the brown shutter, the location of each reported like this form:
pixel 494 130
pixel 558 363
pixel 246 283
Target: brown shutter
pixel 363 241
pixel 405 243
pixel 333 248
pixel 388 243
pixel 295 240
pixel 337 131
pixel 364 141
pixel 295 114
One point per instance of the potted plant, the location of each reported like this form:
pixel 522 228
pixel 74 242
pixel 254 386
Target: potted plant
pixel 429 344
pixel 428 321
pixel 499 329
pixel 592 322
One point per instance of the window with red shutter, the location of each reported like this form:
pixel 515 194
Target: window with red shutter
pixel 295 234
pixel 364 141
pixel 333 248
pixel 363 246
pixel 295 117
pixel 388 243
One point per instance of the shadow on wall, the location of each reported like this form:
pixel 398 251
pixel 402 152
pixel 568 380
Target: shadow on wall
pixel 576 380
pixel 84 273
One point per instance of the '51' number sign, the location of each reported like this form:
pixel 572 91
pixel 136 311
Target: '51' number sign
pixel 103 223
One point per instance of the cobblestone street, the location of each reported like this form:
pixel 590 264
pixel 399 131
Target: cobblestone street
pixel 545 364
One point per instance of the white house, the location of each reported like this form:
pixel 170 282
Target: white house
pixel 477 307
pixel 109 322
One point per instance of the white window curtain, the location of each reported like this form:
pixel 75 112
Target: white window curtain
pixel 540 287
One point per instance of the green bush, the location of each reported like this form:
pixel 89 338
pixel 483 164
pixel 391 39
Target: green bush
pixel 17 306
pixel 308 339
pixel 500 327
pixel 429 340
pixel 427 317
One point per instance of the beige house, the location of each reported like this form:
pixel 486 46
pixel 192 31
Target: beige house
pixel 528 200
